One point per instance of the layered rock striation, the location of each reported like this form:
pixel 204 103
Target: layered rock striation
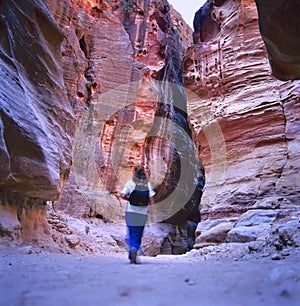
pixel 246 121
pixel 36 120
pixel 60 62
pixel 100 83
pixel 91 88
pixel 123 61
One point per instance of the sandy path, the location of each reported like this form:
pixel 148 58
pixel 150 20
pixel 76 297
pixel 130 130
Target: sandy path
pixel 47 279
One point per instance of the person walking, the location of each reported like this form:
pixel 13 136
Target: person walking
pixel 139 194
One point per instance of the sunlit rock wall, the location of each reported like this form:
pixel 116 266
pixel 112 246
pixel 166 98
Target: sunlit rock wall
pixel 36 121
pixel 120 61
pixel 246 121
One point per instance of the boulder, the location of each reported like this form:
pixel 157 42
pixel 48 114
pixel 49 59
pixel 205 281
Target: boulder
pixel 72 240
pixel 249 233
pixel 216 234
pixel 285 235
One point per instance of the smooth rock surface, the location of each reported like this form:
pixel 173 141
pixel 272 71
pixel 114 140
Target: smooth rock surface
pixel 279 26
pixel 36 120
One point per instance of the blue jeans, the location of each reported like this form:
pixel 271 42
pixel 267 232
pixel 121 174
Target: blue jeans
pixel 135 224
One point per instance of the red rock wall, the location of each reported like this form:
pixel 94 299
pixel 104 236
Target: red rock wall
pixel 36 120
pixel 246 121
pixel 59 63
pixel 138 45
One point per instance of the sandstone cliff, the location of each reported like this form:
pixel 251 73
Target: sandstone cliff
pixel 36 121
pixel 246 122
pixel 90 88
pixel 114 69
pixel 123 60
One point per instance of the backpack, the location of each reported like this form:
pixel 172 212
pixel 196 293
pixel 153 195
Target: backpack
pixel 140 195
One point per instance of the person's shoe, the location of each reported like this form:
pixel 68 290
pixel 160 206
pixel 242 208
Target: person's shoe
pixel 132 255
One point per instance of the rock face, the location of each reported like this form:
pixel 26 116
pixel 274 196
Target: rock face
pixel 98 85
pixel 36 121
pixel 137 111
pixel 114 69
pixel 36 147
pixel 246 121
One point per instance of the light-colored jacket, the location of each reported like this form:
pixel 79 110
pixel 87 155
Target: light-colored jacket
pixel 127 190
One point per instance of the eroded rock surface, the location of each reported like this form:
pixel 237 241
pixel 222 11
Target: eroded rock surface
pixel 36 118
pixel 59 60
pixel 129 54
pixel 248 137
pixel 246 122
pixel 36 121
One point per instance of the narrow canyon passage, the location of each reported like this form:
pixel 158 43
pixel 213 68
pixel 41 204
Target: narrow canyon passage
pixel 51 279
pixel 92 88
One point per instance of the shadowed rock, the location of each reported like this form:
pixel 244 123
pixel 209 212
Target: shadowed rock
pixel 279 26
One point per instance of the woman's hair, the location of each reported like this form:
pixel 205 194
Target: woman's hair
pixel 139 173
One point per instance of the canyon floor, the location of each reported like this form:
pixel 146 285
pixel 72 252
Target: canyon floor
pixel 44 278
